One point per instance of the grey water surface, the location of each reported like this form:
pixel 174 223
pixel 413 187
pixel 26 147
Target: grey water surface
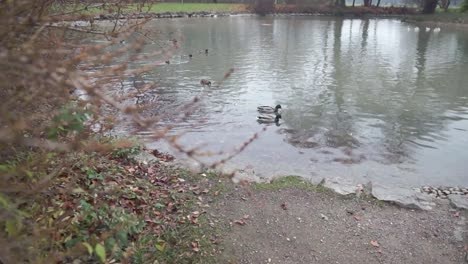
pixel 363 100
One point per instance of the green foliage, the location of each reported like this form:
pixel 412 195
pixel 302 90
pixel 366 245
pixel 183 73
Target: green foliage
pixel 157 8
pixel 289 182
pixel 126 153
pixel 464 6
pixel 118 223
pixel 196 7
pixel 67 121
pixel 100 252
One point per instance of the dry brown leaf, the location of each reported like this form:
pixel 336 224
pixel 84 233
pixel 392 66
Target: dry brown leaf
pixel 195 246
pixel 374 243
pixel 284 206
pixel 240 222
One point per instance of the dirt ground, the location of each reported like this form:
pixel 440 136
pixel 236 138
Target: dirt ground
pixel 294 225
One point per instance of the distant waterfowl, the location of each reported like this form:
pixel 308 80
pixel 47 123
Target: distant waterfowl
pixel 268 118
pixel 428 29
pixel 190 55
pixel 437 29
pixel 206 51
pixel 168 62
pixel 268 109
pixel 205 82
pixel 416 29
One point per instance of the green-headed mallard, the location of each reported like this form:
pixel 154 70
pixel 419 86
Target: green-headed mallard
pixel 268 109
pixel 269 118
pixel 205 82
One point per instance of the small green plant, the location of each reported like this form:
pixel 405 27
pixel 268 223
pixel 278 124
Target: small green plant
pixel 464 6
pixel 116 223
pixel 67 121
pixel 286 182
pixel 125 153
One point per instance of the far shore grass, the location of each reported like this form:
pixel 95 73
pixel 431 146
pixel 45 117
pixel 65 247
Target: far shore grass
pixel 453 15
pixel 95 9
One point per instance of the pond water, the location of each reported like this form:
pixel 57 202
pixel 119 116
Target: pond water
pixel 363 100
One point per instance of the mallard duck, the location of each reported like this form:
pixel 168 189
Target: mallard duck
pixel 205 82
pixel 269 119
pixel 268 109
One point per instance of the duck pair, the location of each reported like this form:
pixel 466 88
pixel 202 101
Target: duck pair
pixel 191 55
pixel 269 114
pixel 205 82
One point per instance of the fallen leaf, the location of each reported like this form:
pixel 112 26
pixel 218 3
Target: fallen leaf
pixel 240 222
pixel 88 247
pixel 284 206
pixel 100 251
pixel 160 245
pixel 374 243
pixel 195 246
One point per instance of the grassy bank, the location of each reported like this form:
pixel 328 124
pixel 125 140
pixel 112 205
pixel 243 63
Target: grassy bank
pixel 112 207
pixel 195 7
pixel 96 9
pixel 452 16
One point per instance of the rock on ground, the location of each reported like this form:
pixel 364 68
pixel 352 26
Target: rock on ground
pixel 404 197
pixel 459 201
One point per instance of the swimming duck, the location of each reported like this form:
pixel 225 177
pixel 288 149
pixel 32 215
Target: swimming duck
pixel 269 118
pixel 204 82
pixel 190 55
pixel 167 62
pixel 268 109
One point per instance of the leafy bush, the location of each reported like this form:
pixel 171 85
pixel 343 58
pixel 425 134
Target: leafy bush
pixel 67 121
pixel 464 6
